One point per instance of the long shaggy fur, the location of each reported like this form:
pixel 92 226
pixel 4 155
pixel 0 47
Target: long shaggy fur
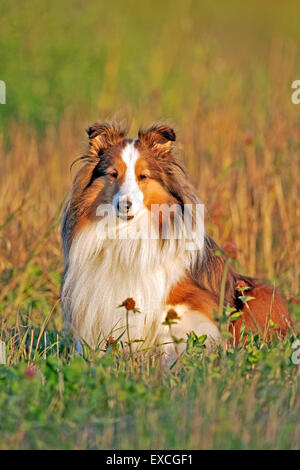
pixel 101 273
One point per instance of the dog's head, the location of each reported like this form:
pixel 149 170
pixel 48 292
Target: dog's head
pixel 130 174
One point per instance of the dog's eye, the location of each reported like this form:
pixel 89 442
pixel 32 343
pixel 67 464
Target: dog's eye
pixel 113 174
pixel 142 177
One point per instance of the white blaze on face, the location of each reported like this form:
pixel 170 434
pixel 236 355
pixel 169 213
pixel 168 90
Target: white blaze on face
pixel 129 191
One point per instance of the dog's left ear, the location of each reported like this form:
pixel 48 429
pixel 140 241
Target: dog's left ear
pixel 158 138
pixel 103 135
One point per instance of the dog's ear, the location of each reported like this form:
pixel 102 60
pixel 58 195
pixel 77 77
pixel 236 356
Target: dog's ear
pixel 103 135
pixel 158 138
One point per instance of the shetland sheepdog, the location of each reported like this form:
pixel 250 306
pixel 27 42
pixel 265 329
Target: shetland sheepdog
pixel 129 230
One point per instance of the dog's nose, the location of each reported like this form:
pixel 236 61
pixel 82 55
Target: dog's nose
pixel 124 206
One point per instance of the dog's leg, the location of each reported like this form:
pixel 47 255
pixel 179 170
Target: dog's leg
pixel 78 348
pixel 189 320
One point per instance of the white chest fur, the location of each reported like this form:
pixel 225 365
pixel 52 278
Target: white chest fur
pixel 102 273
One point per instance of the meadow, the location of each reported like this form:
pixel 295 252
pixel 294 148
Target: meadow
pixel 221 76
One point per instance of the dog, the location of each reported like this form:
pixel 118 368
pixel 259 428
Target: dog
pixel 121 181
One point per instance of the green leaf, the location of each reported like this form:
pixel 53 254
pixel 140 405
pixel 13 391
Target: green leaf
pixel 236 316
pixel 246 298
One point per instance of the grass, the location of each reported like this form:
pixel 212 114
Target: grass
pixel 238 399
pixel 222 76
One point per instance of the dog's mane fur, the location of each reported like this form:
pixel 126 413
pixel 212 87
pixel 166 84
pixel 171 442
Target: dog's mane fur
pixel 206 270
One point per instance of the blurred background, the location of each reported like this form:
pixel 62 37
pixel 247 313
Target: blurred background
pixel 219 72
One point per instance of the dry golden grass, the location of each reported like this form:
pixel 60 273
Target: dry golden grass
pixel 248 181
pixel 237 129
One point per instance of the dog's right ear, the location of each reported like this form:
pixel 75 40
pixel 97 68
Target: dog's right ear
pixel 103 135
